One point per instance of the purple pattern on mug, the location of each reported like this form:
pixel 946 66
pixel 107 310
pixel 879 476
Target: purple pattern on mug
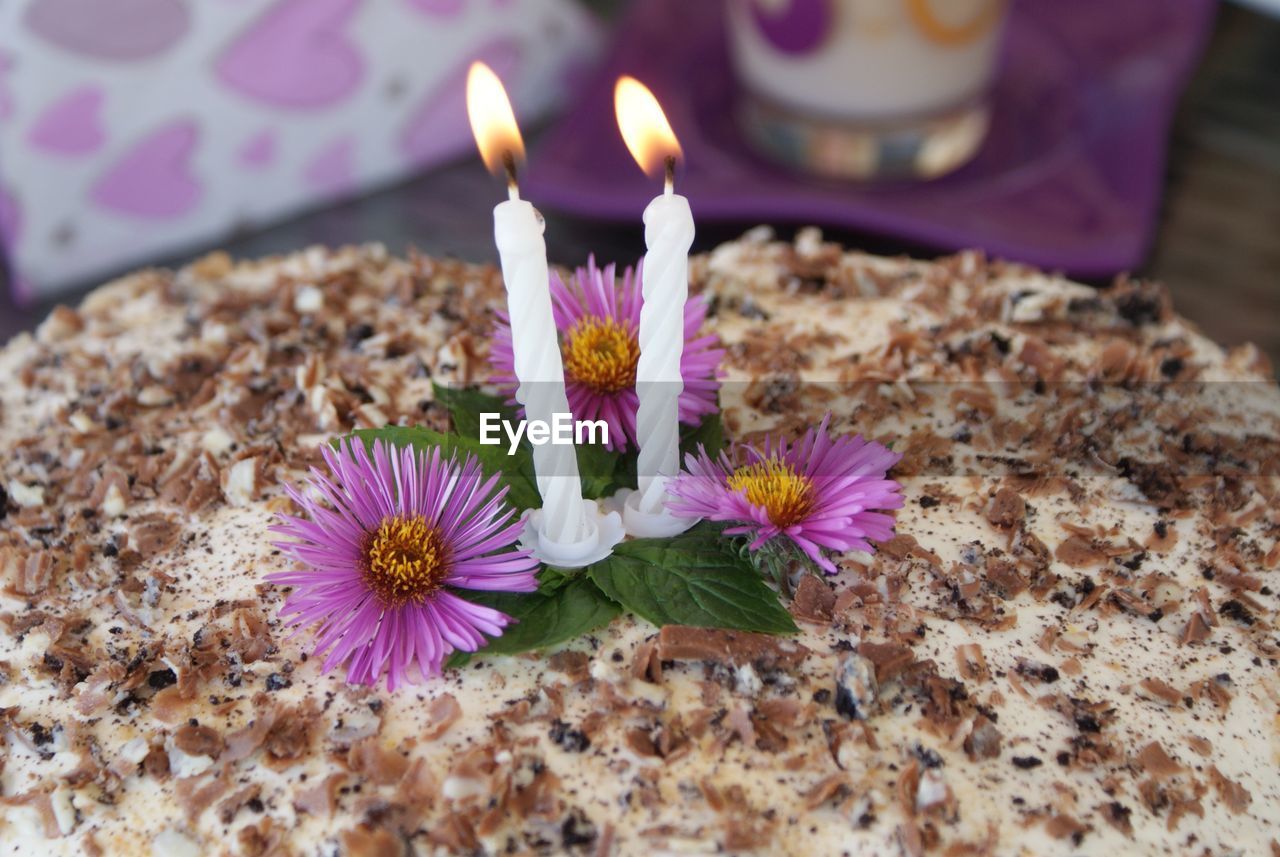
pixel 109 29
pixel 438 126
pixel 72 125
pixel 154 178
pixel 798 29
pixel 296 55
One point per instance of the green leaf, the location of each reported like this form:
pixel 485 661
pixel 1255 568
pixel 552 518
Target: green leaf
pixel 692 579
pixel 544 618
pixel 709 434
pixel 466 404
pixel 515 471
pixel 596 464
pixel 624 475
pixel 552 579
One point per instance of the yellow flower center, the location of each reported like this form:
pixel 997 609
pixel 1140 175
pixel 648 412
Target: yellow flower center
pixel 786 496
pixel 405 560
pixel 601 353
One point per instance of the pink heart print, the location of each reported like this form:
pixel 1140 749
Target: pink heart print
pixel 439 8
pixel 153 179
pixel 258 151
pixel 296 55
pixel 71 125
pixel 438 127
pixel 109 29
pixel 332 171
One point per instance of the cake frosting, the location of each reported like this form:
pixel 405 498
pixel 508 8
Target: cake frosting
pixel 1068 645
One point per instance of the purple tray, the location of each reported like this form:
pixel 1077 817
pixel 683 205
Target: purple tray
pixel 1068 179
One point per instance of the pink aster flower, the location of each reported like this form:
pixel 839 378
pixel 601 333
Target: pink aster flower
pixel 385 539
pixel 820 493
pixel 598 317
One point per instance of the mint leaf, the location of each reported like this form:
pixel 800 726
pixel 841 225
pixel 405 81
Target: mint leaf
pixel 691 579
pixel 544 618
pixel 466 404
pixel 709 434
pixel 596 465
pixel 515 471
pixel 552 579
pixel 624 475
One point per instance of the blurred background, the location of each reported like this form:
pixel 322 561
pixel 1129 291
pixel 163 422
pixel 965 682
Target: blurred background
pixel 1093 138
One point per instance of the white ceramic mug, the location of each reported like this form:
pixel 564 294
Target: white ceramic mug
pixel 867 88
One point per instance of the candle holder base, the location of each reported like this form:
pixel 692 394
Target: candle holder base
pixel 648 525
pixel 604 530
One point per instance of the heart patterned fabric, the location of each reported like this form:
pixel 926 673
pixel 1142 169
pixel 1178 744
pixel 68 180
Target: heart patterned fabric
pixel 134 129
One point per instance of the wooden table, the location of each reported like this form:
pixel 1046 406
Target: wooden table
pixel 1218 245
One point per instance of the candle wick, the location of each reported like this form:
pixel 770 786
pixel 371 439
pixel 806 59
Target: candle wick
pixel 509 164
pixel 670 184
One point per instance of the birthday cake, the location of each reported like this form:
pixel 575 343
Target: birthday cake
pixel 1063 639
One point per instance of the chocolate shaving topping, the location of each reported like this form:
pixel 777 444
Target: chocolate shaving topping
pixel 196 740
pixel 889 659
pixel 142 654
pixel 735 648
pixel 1006 509
pixel 814 600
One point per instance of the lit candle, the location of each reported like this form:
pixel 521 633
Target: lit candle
pixel 518 230
pixel 668 235
pixel 567 531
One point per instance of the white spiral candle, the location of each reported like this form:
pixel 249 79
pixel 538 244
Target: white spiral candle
pixel 518 230
pixel 668 235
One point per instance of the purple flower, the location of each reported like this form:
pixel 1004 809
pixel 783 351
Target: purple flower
pixel 598 317
pixel 387 537
pixel 820 492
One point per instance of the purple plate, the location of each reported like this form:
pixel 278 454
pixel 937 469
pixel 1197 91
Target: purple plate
pixel 1068 179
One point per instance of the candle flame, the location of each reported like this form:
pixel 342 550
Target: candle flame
pixel 644 126
pixel 493 123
